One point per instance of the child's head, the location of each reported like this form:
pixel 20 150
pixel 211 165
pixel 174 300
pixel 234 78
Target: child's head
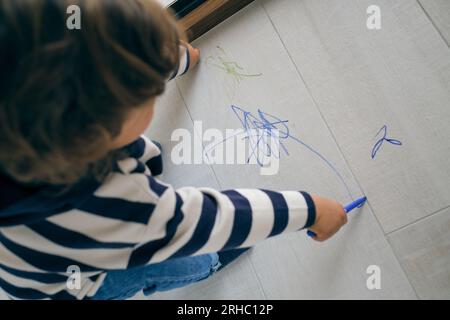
pixel 65 95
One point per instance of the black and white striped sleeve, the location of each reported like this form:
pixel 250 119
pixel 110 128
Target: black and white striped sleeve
pixel 183 64
pixel 192 221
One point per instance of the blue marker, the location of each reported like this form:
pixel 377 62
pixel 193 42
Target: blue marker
pixel 355 204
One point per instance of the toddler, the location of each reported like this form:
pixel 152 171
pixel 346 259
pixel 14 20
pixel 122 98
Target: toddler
pixel 83 214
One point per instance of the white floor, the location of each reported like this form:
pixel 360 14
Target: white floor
pixel 316 64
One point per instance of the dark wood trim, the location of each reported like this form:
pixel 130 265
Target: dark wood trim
pixel 210 14
pixel 184 7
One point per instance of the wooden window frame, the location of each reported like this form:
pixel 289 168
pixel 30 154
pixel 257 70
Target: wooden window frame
pixel 209 14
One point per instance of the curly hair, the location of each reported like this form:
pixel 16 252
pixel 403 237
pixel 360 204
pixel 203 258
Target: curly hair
pixel 65 93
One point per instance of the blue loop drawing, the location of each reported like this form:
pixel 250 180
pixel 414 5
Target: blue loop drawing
pixel 262 128
pixel 380 142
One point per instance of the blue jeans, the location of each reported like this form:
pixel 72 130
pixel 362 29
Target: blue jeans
pixel 163 276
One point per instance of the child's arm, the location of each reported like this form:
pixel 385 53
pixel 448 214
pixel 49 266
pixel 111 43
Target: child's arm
pixel 189 58
pixel 192 221
pixel 157 222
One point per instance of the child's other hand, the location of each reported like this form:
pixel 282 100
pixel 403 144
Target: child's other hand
pixel 330 217
pixel 194 54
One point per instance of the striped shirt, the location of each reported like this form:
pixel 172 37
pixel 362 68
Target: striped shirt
pixel 130 219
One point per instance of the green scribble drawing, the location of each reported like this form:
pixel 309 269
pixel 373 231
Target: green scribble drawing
pixel 221 61
pixel 232 68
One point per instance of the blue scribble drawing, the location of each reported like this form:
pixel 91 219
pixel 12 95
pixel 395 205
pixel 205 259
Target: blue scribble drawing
pixel 266 135
pixel 379 143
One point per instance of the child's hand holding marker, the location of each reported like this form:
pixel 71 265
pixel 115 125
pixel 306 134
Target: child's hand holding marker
pixel 330 217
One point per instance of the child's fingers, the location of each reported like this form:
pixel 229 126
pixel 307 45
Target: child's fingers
pixel 195 56
pixel 317 237
pixel 195 52
pixel 320 238
pixel 321 235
